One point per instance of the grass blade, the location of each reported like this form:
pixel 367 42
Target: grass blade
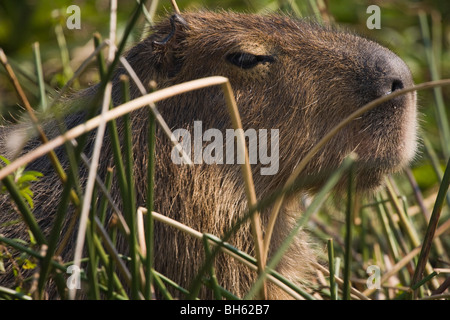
pixel 331 264
pixel 349 218
pixel 212 273
pixel 150 203
pixel 431 229
pixel 40 76
pixel 131 203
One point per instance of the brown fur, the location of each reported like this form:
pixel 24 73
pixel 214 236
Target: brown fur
pixel 318 76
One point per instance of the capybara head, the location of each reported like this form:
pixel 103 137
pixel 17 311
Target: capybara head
pixel 295 76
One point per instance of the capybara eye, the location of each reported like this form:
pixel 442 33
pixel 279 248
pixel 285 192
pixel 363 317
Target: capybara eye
pixel 246 60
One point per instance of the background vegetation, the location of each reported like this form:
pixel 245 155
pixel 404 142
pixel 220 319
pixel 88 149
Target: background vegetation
pixel 418 31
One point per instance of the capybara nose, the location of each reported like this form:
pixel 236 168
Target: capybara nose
pixel 393 74
pixel 386 85
pixel 395 85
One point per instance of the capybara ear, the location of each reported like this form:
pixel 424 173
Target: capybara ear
pixel 162 51
pixel 167 44
pixel 177 26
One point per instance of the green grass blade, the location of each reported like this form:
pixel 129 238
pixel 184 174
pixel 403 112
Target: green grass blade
pixel 13 294
pixel 162 288
pixel 349 218
pixel 431 229
pixel 331 265
pixel 434 161
pixel 40 76
pixel 212 273
pixel 149 227
pixel 130 208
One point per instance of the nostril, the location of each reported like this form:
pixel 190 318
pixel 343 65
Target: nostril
pixel 393 85
pixel 397 85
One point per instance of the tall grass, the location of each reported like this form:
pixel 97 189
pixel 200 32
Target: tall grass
pixel 392 230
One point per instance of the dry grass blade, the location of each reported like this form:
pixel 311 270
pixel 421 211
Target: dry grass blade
pixel 249 186
pixel 110 115
pixel 175 6
pixel 198 235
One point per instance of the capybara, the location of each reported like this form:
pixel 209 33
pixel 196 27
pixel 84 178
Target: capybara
pixel 295 76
